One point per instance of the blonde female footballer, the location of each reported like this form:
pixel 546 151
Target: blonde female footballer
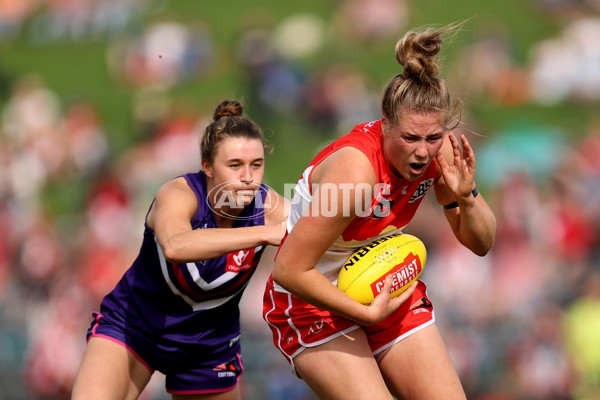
pixel 392 347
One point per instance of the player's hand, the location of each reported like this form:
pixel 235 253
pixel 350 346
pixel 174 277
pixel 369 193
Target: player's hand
pixel 383 305
pixel 459 176
pixel 275 233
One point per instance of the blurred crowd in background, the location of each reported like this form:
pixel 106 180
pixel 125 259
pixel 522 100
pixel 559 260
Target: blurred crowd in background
pixel 520 323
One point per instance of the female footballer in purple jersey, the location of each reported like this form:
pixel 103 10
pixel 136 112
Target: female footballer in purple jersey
pixel 175 310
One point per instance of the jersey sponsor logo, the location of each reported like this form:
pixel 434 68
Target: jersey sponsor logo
pixel 421 190
pixel 240 261
pixel 240 257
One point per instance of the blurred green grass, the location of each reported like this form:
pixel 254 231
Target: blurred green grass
pixel 80 70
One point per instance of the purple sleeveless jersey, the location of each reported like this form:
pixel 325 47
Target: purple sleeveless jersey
pixel 172 314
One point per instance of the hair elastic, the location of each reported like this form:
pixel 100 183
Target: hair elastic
pixel 450 206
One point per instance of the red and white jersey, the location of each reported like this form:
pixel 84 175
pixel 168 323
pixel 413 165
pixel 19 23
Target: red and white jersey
pixel 394 199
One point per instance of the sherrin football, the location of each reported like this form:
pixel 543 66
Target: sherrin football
pixel 400 255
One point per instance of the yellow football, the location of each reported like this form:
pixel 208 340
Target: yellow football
pixel 400 255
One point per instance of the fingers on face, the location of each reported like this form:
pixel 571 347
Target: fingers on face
pixel 466 145
pixel 468 153
pixel 455 146
pixel 440 158
pixel 453 140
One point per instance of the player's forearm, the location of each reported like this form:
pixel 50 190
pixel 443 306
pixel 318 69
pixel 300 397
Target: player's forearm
pixel 204 244
pixel 314 288
pixel 476 227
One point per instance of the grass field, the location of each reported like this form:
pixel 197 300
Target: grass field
pixel 80 70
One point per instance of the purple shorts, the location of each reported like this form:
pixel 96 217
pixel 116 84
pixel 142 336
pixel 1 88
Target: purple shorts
pixel 188 370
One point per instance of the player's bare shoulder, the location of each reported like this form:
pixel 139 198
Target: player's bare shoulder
pixel 346 165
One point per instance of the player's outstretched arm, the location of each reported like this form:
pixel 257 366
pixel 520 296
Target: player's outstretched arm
pixel 173 210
